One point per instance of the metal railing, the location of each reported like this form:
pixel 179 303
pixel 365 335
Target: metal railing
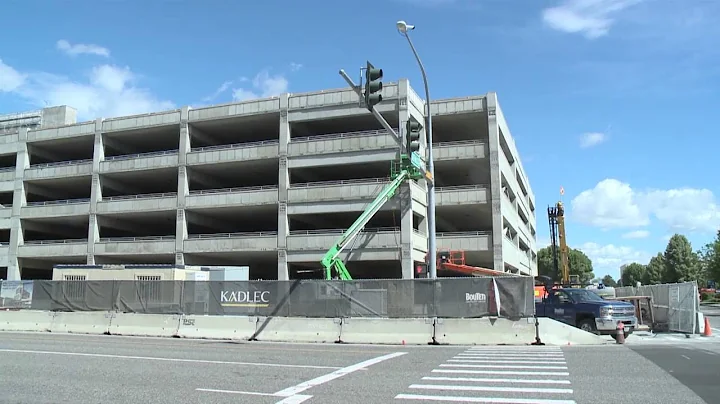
pixel 6 169
pixel 140 196
pixel 235 146
pixel 141 155
pixel 340 231
pixel 463 233
pixel 237 189
pixel 361 133
pixel 60 202
pixel 462 187
pixel 61 163
pixel 133 239
pixel 359 181
pixel 234 235
pixel 51 242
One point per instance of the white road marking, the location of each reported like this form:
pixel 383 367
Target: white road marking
pixel 291 391
pixel 514 355
pixel 492 388
pixel 150 358
pixel 686 357
pixel 465 360
pixel 494 380
pixel 247 393
pixel 500 372
pixel 296 399
pixel 454 365
pixel 483 399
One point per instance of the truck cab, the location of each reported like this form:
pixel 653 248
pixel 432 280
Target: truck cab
pixel 584 309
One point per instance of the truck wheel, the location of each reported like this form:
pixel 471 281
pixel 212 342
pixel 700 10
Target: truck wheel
pixel 587 325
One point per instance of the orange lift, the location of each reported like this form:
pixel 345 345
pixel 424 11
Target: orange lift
pixel 454 261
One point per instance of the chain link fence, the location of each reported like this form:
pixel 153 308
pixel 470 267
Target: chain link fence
pixel 675 305
pixel 509 297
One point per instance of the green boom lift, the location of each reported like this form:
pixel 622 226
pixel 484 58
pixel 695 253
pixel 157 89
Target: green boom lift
pixel 408 168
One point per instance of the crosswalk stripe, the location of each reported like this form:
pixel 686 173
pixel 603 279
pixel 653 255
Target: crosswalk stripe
pixel 451 365
pixel 488 400
pixel 466 360
pixel 544 390
pixel 495 380
pixel 501 372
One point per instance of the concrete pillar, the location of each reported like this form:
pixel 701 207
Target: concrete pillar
pixel 283 185
pixel 19 201
pixel 183 189
pixel 95 192
pixel 407 109
pixel 495 180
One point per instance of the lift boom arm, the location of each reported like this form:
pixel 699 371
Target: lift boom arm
pixel 331 260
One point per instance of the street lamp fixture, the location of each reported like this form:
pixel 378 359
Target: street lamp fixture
pixel 403 29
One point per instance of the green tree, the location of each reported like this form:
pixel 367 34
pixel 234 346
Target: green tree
pixel 608 280
pixel 654 270
pixel 632 274
pixel 710 259
pixel 681 262
pixel 580 264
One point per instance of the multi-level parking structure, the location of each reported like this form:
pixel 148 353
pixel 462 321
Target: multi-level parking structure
pixel 269 183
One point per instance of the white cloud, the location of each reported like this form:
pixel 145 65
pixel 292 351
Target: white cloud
pixel 10 79
pixel 608 258
pixel 263 85
pixel 636 234
pixel 591 18
pixel 295 66
pixel 592 139
pixel 107 91
pixel 614 204
pixel 80 49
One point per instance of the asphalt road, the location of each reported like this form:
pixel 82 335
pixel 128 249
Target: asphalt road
pixel 63 368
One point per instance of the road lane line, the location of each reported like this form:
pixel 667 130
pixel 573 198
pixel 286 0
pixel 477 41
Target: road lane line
pixel 150 358
pixel 686 357
pixel 299 388
pixel 500 372
pixel 491 388
pixel 494 380
pixel 465 360
pixel 513 355
pixel 483 399
pixel 248 393
pixel 296 399
pixel 457 365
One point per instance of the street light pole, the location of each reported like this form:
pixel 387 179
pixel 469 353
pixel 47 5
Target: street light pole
pixel 403 28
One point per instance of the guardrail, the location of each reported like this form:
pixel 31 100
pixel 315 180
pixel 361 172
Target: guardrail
pixel 60 202
pixel 235 146
pixel 141 155
pixel 341 231
pixel 6 169
pixel 234 235
pixel 65 241
pixel 140 196
pixel 458 143
pixel 328 136
pixel 133 239
pixel 462 187
pixel 237 189
pixel 463 233
pixel 61 163
pixel 358 181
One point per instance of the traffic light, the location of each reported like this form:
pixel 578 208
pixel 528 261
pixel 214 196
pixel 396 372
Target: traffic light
pixel 373 86
pixel 421 270
pixel 412 136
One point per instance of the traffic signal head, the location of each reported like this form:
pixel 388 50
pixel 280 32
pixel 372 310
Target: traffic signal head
pixel 421 270
pixel 373 86
pixel 412 134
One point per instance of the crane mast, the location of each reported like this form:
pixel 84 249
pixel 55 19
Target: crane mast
pixel 556 217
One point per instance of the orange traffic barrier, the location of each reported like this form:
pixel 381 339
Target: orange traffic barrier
pixel 708 330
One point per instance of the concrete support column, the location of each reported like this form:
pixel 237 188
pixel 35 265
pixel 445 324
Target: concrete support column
pixel 495 180
pixel 408 243
pixel 283 185
pixel 95 192
pixel 183 190
pixel 19 201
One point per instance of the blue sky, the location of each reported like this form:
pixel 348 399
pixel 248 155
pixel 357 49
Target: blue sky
pixel 611 99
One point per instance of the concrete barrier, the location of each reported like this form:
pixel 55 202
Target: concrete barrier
pixel 296 329
pixel 484 331
pixel 415 331
pixel 217 327
pixel 553 332
pixel 147 325
pixel 89 322
pixel 26 320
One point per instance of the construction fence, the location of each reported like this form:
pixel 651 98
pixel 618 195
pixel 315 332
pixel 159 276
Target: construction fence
pixel 508 297
pixel 675 305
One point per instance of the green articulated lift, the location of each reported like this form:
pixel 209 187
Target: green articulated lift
pixel 410 167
